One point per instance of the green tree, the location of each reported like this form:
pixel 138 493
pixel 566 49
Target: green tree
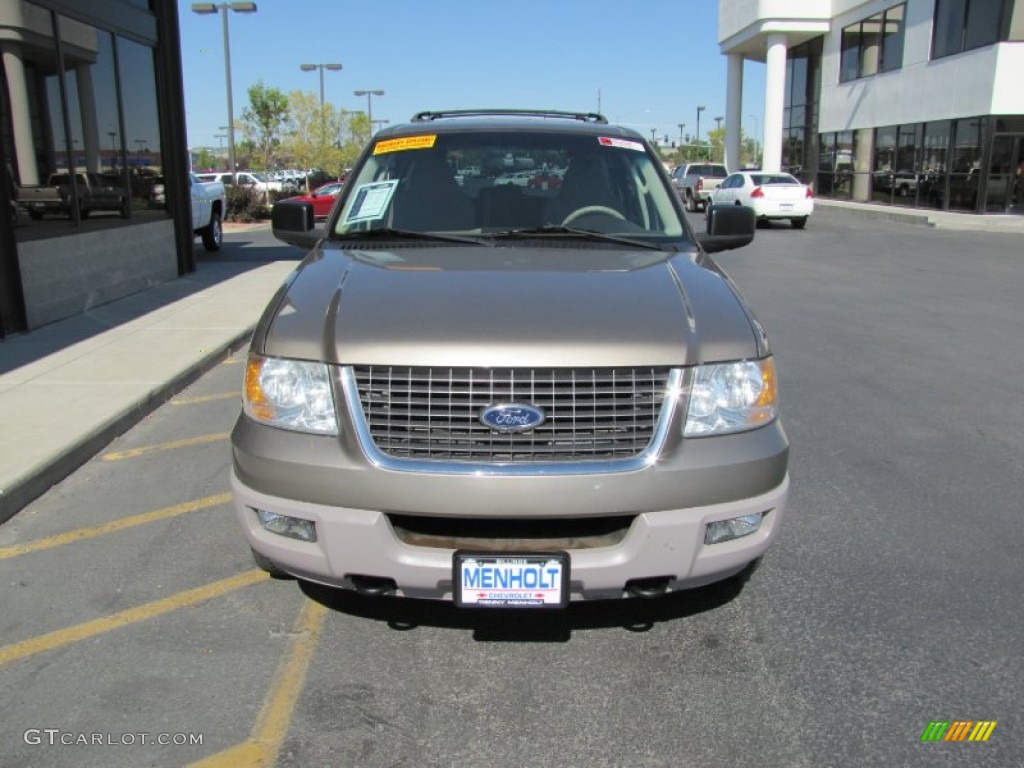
pixel 263 121
pixel 206 160
pixel 319 137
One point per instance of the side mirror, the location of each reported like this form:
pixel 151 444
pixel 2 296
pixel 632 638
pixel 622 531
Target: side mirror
pixel 728 227
pixel 292 223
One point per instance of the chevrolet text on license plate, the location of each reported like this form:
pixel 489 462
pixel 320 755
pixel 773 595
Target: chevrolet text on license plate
pixel 507 580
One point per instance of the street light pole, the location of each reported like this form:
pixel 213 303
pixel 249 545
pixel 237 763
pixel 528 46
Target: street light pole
pixel 369 103
pixel 697 140
pixel 321 67
pixel 681 126
pixel 238 7
pixel 757 140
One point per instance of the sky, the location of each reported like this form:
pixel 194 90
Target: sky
pixel 648 64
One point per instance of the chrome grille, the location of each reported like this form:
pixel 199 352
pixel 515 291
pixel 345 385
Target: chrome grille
pixel 433 414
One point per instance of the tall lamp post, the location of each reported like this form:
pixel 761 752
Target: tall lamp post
pixel 380 123
pixel 321 67
pixel 369 103
pixel 238 7
pixel 697 140
pixel 681 126
pixel 757 140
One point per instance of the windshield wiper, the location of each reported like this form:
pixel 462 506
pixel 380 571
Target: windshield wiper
pixel 589 234
pixel 406 234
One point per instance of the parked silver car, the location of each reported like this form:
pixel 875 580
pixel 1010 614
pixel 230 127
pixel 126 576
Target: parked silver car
pixel 507 395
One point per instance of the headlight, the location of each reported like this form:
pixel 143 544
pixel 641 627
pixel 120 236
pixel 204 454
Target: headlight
pixel 731 397
pixel 290 394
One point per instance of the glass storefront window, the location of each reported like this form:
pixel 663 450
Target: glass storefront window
pixel 142 121
pixel 965 171
pixel 883 169
pixel 908 173
pixel 71 122
pixel 826 164
pixel 844 165
pixel 797 94
pixel 934 163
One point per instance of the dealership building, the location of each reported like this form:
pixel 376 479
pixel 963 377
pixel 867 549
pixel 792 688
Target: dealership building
pixel 94 86
pixel 916 103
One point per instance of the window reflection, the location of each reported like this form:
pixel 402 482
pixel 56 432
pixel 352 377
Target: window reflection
pixel 142 121
pixel 64 117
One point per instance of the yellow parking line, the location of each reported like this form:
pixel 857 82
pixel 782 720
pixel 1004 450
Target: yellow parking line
pixel 187 442
pixel 62 637
pixel 264 743
pixel 114 525
pixel 206 398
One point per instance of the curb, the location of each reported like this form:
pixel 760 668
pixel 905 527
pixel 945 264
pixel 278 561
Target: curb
pixel 899 217
pixel 34 484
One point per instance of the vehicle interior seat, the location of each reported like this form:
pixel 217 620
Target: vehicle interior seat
pixel 429 198
pixel 586 183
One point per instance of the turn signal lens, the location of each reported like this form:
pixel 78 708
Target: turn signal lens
pixel 290 394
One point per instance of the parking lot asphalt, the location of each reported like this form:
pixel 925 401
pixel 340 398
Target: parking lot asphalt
pixel 69 388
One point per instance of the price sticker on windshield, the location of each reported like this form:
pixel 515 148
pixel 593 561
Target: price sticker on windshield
pixel 406 142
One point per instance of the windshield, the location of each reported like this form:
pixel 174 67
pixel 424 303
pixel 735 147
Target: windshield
pixel 487 183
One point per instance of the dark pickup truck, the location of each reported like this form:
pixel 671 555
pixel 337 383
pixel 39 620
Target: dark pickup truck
pixel 96 192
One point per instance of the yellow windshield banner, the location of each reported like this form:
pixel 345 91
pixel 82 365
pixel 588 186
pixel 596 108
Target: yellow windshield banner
pixel 406 142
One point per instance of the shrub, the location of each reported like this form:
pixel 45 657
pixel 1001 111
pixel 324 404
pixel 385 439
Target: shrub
pixel 244 204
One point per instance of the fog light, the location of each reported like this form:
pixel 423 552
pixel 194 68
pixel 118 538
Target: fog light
pixel 734 528
pixel 292 527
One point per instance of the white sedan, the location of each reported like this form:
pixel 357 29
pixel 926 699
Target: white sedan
pixel 771 195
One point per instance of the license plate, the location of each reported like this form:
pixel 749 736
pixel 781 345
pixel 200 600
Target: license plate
pixel 511 580
pixel 785 206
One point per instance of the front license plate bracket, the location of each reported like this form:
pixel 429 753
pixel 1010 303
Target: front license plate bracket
pixel 510 579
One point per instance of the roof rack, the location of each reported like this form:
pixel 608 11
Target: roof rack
pixel 586 117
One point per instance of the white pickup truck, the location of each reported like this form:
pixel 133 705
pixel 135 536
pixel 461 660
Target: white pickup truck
pixel 209 204
pixel 696 181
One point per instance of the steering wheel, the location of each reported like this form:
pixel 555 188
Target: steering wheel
pixel 588 209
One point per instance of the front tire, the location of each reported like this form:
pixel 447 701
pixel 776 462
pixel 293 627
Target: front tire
pixel 213 233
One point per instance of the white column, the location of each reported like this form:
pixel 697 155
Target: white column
pixel 24 150
pixel 733 111
pixel 774 102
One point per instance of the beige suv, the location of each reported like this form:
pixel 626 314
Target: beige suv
pixel 509 395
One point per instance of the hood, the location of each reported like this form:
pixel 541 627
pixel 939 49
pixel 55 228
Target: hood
pixel 519 306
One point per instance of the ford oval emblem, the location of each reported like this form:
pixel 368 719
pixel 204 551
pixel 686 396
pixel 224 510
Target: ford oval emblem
pixel 512 417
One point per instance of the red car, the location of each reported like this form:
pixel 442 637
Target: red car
pixel 322 198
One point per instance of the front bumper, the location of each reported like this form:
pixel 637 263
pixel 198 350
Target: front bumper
pixel 362 543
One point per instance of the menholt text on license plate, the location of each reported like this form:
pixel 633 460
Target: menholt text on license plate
pixel 506 580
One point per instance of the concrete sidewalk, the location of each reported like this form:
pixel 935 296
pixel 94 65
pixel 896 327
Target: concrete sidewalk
pixel 924 217
pixel 68 389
